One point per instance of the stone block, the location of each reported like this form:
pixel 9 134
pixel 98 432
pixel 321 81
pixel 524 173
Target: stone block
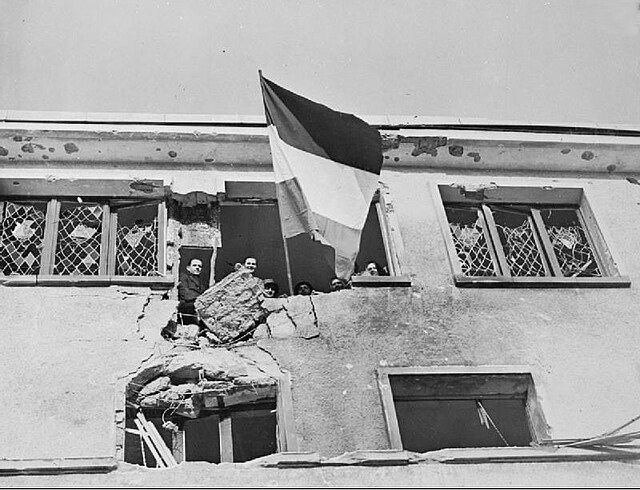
pixel 232 306
pixel 280 325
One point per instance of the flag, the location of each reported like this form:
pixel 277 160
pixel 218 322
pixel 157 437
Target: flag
pixel 326 166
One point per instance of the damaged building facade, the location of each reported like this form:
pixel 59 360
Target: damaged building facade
pixel 504 329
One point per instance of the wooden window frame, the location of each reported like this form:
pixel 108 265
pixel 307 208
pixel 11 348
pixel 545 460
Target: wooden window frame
pixel 54 193
pixel 535 417
pixel 482 198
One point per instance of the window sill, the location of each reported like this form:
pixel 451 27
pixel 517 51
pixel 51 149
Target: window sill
pixel 154 282
pixel 380 281
pixel 531 454
pixel 541 282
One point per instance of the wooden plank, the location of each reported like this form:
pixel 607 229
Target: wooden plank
pixel 104 241
pixel 510 195
pixel 380 457
pixel 386 239
pixel 389 409
pixel 50 236
pixel 546 243
pixel 287 437
pixel 155 436
pixel 56 280
pixel 139 189
pixel 542 282
pixel 226 440
pixel 445 229
pixel 113 230
pixel 179 446
pixel 500 264
pixel 392 226
pixel 145 437
pixel 596 239
pixel 250 190
pixel 162 241
pixel 541 251
pixel 380 281
pixel 539 454
pixel 57 466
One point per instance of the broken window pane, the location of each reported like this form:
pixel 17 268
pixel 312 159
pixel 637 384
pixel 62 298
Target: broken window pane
pixel 79 239
pixel 470 243
pixel 22 227
pixel 137 241
pixel 570 244
pixel 519 242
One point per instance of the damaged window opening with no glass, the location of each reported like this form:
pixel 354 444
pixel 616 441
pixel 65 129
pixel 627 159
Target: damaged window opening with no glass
pixel 214 405
pixel 427 412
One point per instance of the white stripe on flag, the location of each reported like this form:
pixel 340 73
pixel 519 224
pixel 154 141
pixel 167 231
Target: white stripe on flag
pixel 334 190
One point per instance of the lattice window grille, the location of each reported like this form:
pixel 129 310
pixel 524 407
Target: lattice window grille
pixel 472 249
pixel 573 252
pixel 79 240
pixel 137 249
pixel 521 251
pixel 21 235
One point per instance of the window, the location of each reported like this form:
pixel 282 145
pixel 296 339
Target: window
pixel 83 228
pixel 237 434
pixel 429 408
pixel 525 236
pixel 212 426
pixel 250 226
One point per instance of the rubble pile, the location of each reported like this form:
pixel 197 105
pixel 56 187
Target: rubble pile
pixel 231 307
pixel 188 382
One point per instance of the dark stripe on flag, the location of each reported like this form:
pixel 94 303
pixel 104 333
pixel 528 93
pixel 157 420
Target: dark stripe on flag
pixel 316 129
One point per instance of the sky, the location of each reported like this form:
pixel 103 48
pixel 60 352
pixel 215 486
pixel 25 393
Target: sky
pixel 519 60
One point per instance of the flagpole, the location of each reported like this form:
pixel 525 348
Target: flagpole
pixel 286 258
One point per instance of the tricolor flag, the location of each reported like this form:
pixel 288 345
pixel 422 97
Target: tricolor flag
pixel 326 166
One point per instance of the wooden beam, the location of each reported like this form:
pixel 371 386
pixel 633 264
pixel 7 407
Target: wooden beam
pixel 389 409
pixel 563 196
pixel 139 189
pixel 226 440
pixel 250 190
pixel 542 282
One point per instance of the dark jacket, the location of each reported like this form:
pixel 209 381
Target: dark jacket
pixel 190 287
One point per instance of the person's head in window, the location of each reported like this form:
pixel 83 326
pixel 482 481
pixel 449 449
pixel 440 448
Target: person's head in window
pixel 271 288
pixel 303 288
pixel 250 263
pixel 372 269
pixel 194 267
pixel 336 284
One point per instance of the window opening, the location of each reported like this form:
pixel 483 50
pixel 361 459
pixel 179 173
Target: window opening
pixel 22 226
pixel 437 411
pixel 251 228
pixel 232 434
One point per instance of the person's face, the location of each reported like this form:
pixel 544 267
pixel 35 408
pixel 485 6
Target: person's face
pixel 372 269
pixel 195 267
pixel 251 264
pixel 336 285
pixel 269 291
pixel 304 290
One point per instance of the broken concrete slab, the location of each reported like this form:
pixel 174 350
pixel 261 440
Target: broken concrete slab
pixel 232 307
pixel 290 317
